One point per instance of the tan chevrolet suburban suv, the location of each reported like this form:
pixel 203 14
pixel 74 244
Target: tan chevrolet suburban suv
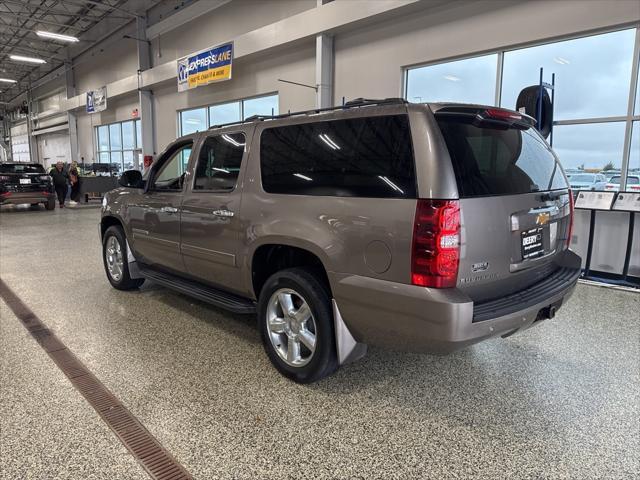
pixel 415 227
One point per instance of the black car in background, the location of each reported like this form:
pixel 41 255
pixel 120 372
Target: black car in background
pixel 26 183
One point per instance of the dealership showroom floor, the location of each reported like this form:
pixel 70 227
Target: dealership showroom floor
pixel 558 401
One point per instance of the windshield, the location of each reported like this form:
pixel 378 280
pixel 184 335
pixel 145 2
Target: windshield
pixel 499 161
pixel 21 168
pixel 582 178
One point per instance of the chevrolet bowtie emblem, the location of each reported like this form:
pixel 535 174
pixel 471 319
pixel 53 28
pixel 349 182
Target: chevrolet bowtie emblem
pixel 543 218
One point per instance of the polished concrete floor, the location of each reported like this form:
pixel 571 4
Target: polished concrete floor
pixel 560 401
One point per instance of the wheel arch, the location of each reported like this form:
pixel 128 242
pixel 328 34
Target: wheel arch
pixel 277 254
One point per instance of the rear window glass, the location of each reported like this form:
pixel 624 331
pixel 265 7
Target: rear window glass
pixel 630 180
pixel 21 168
pixel 493 161
pixel 583 178
pixel 363 157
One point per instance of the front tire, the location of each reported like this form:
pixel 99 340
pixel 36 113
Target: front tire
pixel 51 204
pixel 296 325
pixel 114 256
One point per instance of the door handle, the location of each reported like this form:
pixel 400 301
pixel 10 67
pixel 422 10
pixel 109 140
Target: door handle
pixel 169 210
pixel 223 213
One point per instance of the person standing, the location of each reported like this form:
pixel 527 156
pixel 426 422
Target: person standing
pixel 60 181
pixel 74 180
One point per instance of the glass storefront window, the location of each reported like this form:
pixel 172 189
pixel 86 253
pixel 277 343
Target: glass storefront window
pixel 103 138
pixel 634 158
pixel 260 106
pixel 592 147
pixel 592 74
pixel 118 146
pixel 128 139
pixel 225 113
pixel 115 136
pixel 193 120
pixel 472 80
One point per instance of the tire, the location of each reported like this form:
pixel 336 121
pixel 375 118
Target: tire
pixel 51 204
pixel 528 99
pixel 114 249
pixel 301 285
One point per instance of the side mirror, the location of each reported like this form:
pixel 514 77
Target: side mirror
pixel 131 179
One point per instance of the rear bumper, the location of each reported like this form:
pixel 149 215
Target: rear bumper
pixel 16 198
pixel 411 318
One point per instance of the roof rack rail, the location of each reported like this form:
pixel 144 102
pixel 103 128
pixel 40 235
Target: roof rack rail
pixel 355 103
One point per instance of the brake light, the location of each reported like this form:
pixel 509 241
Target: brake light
pixel 5 194
pixel 570 227
pixel 435 253
pixel 500 114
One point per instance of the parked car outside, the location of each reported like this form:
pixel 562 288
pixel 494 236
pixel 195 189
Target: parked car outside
pixel 633 183
pixel 26 183
pixel 414 227
pixel 588 181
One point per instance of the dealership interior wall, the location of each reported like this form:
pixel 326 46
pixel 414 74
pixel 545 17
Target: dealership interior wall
pixel 374 45
pixel 297 55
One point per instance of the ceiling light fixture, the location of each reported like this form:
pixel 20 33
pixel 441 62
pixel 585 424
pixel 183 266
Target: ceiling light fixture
pixel 7 80
pixel 452 78
pixel 20 58
pixel 56 36
pixel 561 61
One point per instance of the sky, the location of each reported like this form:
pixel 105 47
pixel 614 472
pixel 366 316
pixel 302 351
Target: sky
pixel 593 76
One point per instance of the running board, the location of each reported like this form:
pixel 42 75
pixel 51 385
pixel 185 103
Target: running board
pixel 219 298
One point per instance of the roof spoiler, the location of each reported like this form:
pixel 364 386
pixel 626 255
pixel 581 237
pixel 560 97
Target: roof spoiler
pixel 483 116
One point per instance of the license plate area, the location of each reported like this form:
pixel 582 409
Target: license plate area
pixel 25 181
pixel 532 243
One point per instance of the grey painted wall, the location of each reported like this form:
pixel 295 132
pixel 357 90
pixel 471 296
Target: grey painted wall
pixel 368 60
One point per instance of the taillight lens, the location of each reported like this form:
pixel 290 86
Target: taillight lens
pixel 436 244
pixel 501 114
pixel 570 227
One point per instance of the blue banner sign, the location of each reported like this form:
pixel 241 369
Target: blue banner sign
pixel 201 68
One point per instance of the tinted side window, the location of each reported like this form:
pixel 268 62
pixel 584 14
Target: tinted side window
pixel 219 162
pixel 363 157
pixel 171 174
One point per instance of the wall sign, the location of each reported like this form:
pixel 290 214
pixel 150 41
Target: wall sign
pixel 97 100
pixel 204 67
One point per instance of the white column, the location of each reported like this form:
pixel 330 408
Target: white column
pixel 145 97
pixel 71 116
pixel 324 67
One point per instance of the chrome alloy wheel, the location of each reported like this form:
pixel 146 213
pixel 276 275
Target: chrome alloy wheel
pixel 291 327
pixel 113 257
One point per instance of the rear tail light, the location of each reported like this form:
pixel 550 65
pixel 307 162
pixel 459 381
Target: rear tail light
pixel 435 251
pixel 570 226
pixel 44 177
pixel 5 194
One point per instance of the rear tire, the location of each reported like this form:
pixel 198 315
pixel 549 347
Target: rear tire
pixel 116 264
pixel 51 204
pixel 301 350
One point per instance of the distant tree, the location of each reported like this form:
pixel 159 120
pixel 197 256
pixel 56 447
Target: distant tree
pixel 609 166
pixel 581 167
